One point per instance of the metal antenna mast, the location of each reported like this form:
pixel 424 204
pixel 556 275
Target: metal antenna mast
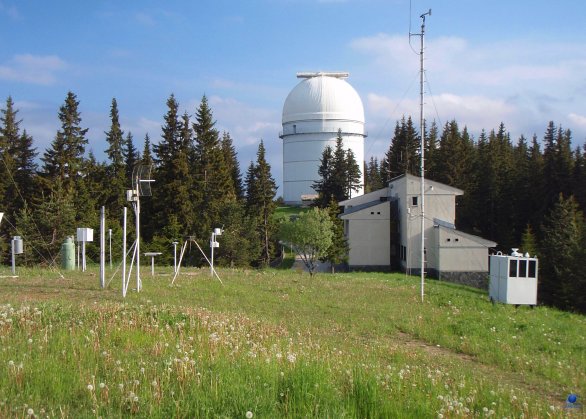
pixel 141 186
pixel 422 152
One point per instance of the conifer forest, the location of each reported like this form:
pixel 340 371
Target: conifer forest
pixel 526 192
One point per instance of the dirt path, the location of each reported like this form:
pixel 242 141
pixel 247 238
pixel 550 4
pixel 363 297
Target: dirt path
pixel 527 382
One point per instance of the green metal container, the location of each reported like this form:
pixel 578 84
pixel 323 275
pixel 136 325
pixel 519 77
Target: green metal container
pixel 68 254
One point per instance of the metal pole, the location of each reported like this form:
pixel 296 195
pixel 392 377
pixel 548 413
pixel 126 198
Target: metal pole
pixel 124 253
pixel 422 128
pixel 13 259
pixel 103 247
pixel 212 258
pixel 138 282
pixel 110 236
pixel 152 266
pixel 175 257
pixel 83 256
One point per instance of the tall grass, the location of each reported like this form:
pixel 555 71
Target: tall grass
pixel 279 344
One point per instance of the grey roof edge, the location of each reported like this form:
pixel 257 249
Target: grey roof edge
pixel 477 239
pixel 361 207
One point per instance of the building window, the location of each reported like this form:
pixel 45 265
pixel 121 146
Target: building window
pixel 414 201
pixel 522 268
pixel 294 129
pixel 403 253
pixel 513 268
pixel 532 269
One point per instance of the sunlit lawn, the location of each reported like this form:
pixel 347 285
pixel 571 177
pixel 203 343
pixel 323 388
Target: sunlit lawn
pixel 277 343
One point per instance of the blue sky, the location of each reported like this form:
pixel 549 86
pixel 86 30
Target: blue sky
pixel 521 63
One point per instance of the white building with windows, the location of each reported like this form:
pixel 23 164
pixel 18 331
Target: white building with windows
pixel 383 229
pixel 315 110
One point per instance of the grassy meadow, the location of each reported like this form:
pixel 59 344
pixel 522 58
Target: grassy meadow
pixel 277 343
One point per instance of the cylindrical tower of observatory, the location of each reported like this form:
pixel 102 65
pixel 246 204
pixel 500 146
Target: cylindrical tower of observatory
pixel 314 111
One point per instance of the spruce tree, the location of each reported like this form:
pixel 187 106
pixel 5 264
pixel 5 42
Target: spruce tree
pixel 431 152
pixel 131 158
pixel 325 185
pixel 353 175
pixel 17 166
pixel 261 191
pixel 231 158
pixel 172 195
pixel 372 176
pixel 403 154
pixel 116 186
pixel 212 175
pixel 561 253
pixel 64 159
pixel 146 157
pixel 558 163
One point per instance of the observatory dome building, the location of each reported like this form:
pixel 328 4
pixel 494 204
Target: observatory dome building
pixel 314 111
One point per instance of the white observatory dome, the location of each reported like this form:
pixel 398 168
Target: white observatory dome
pixel 316 109
pixel 323 97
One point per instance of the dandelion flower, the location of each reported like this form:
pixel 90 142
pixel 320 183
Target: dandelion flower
pixel 30 412
pixel 11 363
pixel 102 385
pixel 249 415
pixel 90 387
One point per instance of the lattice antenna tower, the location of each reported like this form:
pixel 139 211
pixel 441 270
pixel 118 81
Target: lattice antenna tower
pixel 422 152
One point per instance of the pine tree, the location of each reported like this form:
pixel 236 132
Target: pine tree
pixel 558 163
pixel 115 197
pixel 561 255
pixel 372 178
pixel 64 159
pixel 212 174
pixel 17 167
pixel 9 135
pixel 172 197
pixel 231 158
pixel 261 191
pixel 431 153
pixel 579 178
pixel 146 157
pixel 325 185
pixel 131 158
pixel 26 178
pixel 353 175
pixel 529 241
pixel 403 155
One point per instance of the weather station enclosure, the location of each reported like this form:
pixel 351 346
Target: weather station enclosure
pixel 513 279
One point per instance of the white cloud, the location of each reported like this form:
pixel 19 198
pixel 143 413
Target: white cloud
pixel 577 120
pixel 247 125
pixel 522 83
pixel 35 69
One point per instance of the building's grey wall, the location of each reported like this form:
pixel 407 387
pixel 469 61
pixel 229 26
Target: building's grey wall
pixel 471 279
pixel 368 233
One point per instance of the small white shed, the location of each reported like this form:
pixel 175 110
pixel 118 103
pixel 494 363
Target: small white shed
pixel 513 279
